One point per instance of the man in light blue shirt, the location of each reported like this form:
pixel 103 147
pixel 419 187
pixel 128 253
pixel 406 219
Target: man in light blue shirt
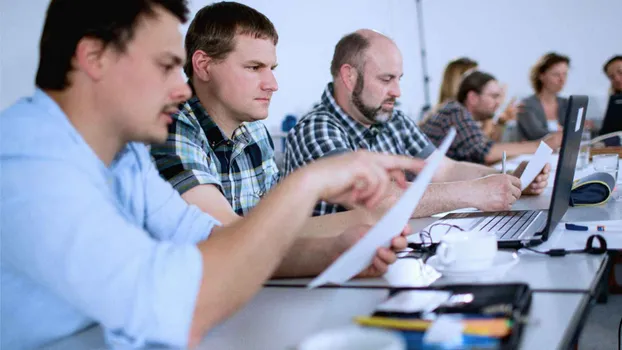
pixel 92 234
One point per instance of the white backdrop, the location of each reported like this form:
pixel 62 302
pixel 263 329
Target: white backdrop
pixel 505 36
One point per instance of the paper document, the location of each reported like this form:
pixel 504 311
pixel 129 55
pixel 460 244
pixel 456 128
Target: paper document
pixel 535 165
pixel 360 255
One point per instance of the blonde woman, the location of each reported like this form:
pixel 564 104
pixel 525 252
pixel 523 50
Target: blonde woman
pixel 452 77
pixel 454 73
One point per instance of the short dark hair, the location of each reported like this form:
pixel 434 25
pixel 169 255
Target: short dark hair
pixel 215 26
pixel 474 81
pixel 349 50
pixel 545 63
pixel 111 21
pixel 610 61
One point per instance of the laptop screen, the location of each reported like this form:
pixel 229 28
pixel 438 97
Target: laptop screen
pixel 571 140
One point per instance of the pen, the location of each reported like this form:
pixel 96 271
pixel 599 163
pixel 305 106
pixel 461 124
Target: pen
pixel 503 162
pixel 600 228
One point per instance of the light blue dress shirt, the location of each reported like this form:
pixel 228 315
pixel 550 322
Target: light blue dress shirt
pixel 83 243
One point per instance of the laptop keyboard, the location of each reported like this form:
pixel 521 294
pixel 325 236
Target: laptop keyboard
pixel 509 224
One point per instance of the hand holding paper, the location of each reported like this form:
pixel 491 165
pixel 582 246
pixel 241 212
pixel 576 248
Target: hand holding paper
pixel 359 256
pixel 535 165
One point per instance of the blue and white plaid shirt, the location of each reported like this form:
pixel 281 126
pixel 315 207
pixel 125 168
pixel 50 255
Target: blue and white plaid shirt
pixel 328 130
pixel 198 153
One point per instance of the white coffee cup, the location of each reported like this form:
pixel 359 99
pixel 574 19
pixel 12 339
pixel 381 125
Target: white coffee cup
pixel 354 338
pixel 467 250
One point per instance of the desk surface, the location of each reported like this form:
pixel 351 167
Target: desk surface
pixel 279 318
pixel 570 273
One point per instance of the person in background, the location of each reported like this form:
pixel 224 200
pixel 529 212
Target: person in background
pixel 613 70
pixel 543 112
pixel 452 76
pixel 479 96
pixel 101 238
pixel 357 111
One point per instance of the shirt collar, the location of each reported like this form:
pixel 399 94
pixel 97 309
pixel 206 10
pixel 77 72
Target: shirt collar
pixel 214 134
pixel 44 101
pixel 353 127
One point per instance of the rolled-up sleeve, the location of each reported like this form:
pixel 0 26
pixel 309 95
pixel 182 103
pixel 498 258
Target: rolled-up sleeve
pixel 71 238
pixel 168 216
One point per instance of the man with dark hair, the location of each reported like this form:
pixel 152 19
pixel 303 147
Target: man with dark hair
pixel 219 155
pixel 613 70
pixel 357 112
pixel 90 231
pixel 479 96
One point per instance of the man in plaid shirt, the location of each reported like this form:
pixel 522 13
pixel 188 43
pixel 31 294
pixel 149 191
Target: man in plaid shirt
pixel 357 112
pixel 479 96
pixel 219 155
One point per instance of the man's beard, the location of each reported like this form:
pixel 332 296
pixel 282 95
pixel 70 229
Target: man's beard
pixel 372 114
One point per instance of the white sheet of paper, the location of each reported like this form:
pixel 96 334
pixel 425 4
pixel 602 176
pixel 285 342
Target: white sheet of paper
pixel 535 165
pixel 360 255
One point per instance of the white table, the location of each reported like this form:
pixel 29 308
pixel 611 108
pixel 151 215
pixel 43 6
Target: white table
pixel 579 272
pixel 279 318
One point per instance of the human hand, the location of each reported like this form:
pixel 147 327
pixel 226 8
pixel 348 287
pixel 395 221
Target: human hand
pixel 538 185
pixel 510 112
pixel 554 140
pixel 359 178
pixel 494 192
pixel 384 256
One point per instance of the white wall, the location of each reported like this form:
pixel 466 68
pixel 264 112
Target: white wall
pixel 505 36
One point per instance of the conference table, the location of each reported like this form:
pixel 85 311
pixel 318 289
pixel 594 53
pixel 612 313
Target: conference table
pixel 285 311
pixel 281 317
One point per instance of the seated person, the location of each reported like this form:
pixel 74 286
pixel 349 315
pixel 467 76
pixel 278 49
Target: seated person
pixel 478 98
pixel 543 112
pixel 613 70
pixel 90 232
pixel 452 76
pixel 357 112
pixel 219 155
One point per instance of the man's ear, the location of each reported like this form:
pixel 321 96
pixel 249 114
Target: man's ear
pixel 92 58
pixel 201 65
pixel 348 75
pixel 471 98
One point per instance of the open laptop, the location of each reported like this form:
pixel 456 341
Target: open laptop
pixel 613 118
pixel 516 229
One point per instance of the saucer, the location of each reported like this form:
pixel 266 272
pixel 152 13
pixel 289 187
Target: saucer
pixel 502 262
